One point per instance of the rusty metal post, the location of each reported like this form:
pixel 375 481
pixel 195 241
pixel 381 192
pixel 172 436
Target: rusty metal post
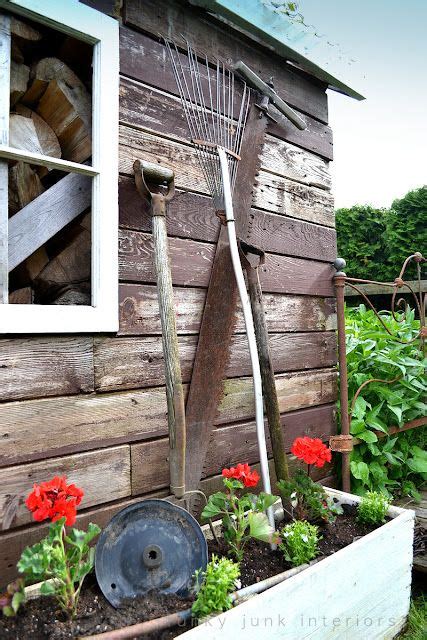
pixel 345 444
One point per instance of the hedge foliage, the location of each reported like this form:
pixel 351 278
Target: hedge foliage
pixel 375 242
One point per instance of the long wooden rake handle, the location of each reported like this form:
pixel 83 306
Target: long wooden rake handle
pixel 174 388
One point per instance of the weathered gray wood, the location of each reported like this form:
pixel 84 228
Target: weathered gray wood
pixel 31 227
pixel 283 235
pixel 150 468
pixel 278 157
pixel 4 139
pixel 152 109
pixel 382 290
pixel 174 19
pixel 191 263
pixel 294 391
pixel 139 311
pixel 286 197
pixel 87 470
pixel 84 422
pixel 191 216
pixel 36 367
pixel 173 378
pixel 289 161
pixel 272 192
pixel 130 363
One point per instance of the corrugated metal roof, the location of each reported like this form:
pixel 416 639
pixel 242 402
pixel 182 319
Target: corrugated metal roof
pixel 289 39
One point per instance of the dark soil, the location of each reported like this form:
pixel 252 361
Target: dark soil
pixel 41 620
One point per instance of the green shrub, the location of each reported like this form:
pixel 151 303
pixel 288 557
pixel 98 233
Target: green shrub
pixel 375 242
pixel 299 543
pixel 373 508
pixel 387 464
pixel 361 240
pixel 215 586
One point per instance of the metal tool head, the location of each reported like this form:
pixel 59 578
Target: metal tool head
pixel 267 90
pixel 152 544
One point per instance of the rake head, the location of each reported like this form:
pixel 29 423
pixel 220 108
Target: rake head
pixel 215 104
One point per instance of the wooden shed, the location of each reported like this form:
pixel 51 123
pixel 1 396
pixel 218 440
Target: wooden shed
pixel 82 379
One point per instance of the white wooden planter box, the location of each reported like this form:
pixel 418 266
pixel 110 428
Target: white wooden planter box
pixel 360 592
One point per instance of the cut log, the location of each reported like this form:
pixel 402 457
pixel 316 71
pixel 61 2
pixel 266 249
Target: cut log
pixel 19 76
pixel 22 296
pixel 65 104
pixel 24 186
pixel 74 297
pixel 36 263
pixel 46 139
pixel 21 31
pixel 66 112
pixel 71 266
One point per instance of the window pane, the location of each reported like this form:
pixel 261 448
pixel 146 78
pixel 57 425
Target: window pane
pixel 49 236
pixel 50 92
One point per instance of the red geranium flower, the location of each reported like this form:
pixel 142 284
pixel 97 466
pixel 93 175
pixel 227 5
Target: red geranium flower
pixel 311 451
pixel 243 473
pixel 54 499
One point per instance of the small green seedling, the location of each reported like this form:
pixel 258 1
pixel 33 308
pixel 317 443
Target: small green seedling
pixel 373 508
pixel 214 587
pixel 300 541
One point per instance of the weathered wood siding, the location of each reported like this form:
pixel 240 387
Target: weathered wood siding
pixel 94 407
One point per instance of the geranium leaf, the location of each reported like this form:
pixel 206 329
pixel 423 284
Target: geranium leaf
pixel 259 527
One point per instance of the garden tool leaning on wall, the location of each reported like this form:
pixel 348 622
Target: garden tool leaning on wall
pixel 154 544
pixel 155 174
pixel 216 109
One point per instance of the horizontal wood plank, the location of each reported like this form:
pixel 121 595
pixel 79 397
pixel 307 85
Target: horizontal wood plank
pixel 35 367
pixel 83 423
pixel 149 108
pixel 49 427
pixel 286 197
pixel 192 216
pixel 87 470
pixel 283 235
pixel 150 467
pixel 139 311
pixel 191 264
pixel 174 19
pixel 294 391
pixel 278 157
pixel 137 362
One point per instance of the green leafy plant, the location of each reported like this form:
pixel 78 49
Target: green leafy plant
pixel 373 508
pixel 307 499
pixel 300 541
pixel 62 559
pixel 12 598
pixel 214 587
pixel 386 464
pixel 243 515
pixel 62 562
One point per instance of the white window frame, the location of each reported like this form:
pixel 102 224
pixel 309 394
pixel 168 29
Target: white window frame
pixel 101 31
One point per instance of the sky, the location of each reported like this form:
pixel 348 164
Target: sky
pixel 380 144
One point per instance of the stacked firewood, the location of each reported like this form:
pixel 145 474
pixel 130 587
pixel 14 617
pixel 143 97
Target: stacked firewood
pixel 50 114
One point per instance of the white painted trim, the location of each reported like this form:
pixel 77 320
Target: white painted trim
pixel 10 153
pixel 89 25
